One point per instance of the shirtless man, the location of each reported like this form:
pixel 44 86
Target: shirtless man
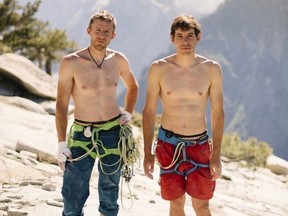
pixel 184 81
pixel 91 76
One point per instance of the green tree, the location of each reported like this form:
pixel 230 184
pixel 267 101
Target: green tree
pixel 22 33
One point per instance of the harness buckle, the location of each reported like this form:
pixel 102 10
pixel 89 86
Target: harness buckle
pixel 192 143
pixel 168 134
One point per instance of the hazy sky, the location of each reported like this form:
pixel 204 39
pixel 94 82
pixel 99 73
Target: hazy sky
pixel 199 7
pixel 203 7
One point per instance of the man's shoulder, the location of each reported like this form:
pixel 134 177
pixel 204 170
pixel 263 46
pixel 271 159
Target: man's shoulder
pixel 207 62
pixel 163 61
pixel 74 55
pixel 117 55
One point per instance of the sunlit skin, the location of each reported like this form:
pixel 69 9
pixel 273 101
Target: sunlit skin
pixel 185 81
pixel 101 33
pixel 185 41
pixel 93 89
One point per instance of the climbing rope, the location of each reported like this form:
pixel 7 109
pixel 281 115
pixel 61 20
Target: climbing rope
pixel 127 149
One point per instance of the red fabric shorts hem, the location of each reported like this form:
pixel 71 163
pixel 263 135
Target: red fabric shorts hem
pixel 197 184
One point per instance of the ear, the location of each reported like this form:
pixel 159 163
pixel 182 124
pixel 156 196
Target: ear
pixel 199 36
pixel 88 30
pixel 172 38
pixel 113 35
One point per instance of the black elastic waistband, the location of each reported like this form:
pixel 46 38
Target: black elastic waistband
pixel 97 122
pixel 171 133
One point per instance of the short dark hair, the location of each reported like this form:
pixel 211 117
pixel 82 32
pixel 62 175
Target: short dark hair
pixel 103 15
pixel 185 22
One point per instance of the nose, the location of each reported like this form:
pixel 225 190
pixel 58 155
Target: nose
pixel 102 35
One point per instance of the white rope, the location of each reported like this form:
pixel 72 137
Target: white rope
pixel 130 195
pixel 176 156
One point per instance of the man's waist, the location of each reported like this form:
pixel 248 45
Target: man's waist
pixel 174 138
pixel 95 123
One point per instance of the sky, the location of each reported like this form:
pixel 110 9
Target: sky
pixel 201 7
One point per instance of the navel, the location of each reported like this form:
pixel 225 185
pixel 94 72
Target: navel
pixel 169 92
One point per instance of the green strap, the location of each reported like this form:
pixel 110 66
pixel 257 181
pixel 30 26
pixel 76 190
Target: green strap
pixel 94 139
pixel 127 147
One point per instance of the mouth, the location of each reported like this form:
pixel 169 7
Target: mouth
pixel 100 41
pixel 185 47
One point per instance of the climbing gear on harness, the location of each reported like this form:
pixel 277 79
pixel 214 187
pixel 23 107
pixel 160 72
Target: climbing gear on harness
pixel 130 155
pixel 87 132
pixel 130 152
pixel 127 147
pixel 180 150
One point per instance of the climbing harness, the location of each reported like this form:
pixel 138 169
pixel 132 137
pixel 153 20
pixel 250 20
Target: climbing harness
pixel 127 148
pixel 180 150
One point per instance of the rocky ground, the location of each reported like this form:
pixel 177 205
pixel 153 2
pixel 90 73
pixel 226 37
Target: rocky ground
pixel 30 187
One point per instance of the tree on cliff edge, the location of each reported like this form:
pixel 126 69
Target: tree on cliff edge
pixel 22 33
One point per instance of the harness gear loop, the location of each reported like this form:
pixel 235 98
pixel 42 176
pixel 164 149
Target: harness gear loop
pixel 176 156
pixel 180 154
pixel 127 149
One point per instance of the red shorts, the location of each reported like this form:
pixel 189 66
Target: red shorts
pixel 197 184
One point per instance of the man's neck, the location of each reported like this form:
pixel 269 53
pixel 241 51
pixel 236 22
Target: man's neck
pixel 186 60
pixel 98 54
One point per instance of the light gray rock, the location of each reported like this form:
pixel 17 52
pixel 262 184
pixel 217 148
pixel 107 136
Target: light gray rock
pixel 49 187
pixel 16 212
pixel 24 73
pixel 50 107
pixel 23 103
pixel 277 165
pixel 43 154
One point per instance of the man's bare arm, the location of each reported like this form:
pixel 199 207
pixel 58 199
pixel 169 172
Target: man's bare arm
pixel 63 97
pixel 149 117
pixel 217 119
pixel 130 83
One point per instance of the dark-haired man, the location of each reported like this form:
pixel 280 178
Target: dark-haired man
pixel 184 81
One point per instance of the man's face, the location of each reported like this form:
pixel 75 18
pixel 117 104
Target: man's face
pixel 101 33
pixel 185 41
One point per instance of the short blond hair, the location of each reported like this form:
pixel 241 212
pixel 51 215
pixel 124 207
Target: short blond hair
pixel 103 15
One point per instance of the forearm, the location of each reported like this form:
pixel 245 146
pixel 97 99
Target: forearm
pixel 217 131
pixel 148 123
pixel 61 119
pixel 131 98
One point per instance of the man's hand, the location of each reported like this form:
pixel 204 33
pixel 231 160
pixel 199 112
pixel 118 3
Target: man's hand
pixel 215 168
pixel 148 164
pixel 62 154
pixel 125 117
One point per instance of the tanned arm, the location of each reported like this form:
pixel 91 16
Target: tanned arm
pixel 149 117
pixel 217 119
pixel 63 97
pixel 131 85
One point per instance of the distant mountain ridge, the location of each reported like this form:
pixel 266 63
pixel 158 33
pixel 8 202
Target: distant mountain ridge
pixel 249 39
pixel 253 50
